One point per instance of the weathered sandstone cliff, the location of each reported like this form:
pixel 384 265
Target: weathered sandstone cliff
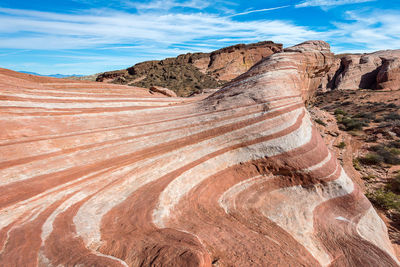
pixel 94 177
pixel 378 70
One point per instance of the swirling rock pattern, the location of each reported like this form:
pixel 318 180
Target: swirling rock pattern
pixel 100 176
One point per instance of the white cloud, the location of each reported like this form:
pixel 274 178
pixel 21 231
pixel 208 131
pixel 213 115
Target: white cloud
pixel 24 29
pixel 258 10
pixel 327 3
pixel 369 31
pixel 169 4
pixel 154 4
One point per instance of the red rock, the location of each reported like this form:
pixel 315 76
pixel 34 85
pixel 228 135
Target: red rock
pixel 162 90
pixel 105 175
pixel 227 63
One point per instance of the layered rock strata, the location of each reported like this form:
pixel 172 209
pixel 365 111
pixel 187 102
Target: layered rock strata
pixel 95 177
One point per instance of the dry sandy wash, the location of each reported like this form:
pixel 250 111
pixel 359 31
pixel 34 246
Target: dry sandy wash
pixel 102 175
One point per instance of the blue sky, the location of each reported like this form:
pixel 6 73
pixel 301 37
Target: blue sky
pixel 86 37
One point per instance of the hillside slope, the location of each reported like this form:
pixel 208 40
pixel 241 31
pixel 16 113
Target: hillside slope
pixel 189 73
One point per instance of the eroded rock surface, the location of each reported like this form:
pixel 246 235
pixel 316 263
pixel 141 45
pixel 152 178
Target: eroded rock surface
pixel 97 177
pixel 389 74
pixel 378 70
pixel 227 63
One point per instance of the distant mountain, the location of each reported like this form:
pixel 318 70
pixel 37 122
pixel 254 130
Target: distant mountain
pixel 52 75
pixel 28 72
pixel 64 76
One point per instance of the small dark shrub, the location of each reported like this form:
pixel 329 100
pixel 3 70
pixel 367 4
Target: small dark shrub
pixel 395 144
pixel 341 145
pixel 368 177
pixel 352 124
pixel 371 159
pixel 388 154
pixel 368 115
pixel 356 164
pixel 321 122
pixel 340 112
pixel 394 151
pixel 385 199
pixel 395 184
pixel 392 117
pixel 391 158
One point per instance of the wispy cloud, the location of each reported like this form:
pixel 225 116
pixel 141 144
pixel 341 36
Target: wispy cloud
pixel 258 10
pixel 369 31
pixel 45 30
pixel 330 3
pixel 169 4
pixel 13 53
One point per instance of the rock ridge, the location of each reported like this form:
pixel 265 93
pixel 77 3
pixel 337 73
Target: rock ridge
pixel 190 73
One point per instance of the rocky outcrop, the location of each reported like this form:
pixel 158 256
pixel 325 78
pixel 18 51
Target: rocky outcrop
pixel 162 90
pixel 359 71
pixel 190 73
pixel 389 74
pixel 228 63
pixel 328 81
pixel 111 76
pixel 378 70
pixel 93 177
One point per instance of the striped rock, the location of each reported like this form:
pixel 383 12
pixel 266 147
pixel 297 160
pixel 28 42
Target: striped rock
pixel 105 175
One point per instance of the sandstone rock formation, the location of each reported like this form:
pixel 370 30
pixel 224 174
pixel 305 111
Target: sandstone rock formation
pixel 358 72
pixel 378 70
pixel 189 73
pixel 328 81
pixel 389 74
pixel 227 63
pixel 94 177
pixel 162 90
